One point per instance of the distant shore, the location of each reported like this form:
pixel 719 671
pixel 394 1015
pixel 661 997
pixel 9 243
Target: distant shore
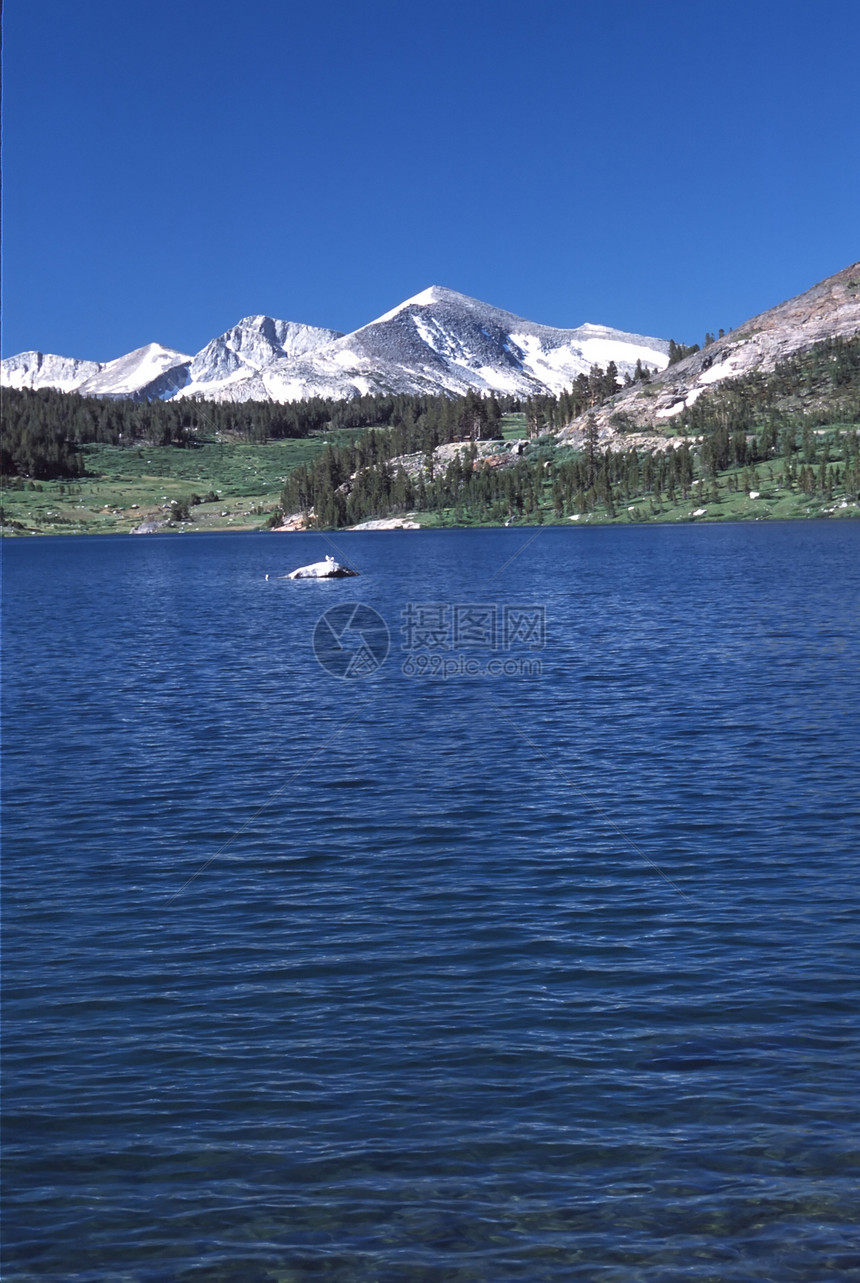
pixel 238 486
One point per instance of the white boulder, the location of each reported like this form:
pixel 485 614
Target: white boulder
pixel 328 569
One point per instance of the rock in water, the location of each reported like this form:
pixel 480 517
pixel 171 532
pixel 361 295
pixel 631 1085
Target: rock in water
pixel 328 569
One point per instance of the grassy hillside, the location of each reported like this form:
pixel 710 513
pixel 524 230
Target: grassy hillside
pixel 124 486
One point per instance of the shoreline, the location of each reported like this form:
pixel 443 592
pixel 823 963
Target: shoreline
pixel 850 511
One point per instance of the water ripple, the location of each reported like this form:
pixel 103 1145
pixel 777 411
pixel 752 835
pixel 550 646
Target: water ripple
pixel 479 979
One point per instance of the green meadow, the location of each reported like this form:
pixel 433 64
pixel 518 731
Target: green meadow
pixel 238 484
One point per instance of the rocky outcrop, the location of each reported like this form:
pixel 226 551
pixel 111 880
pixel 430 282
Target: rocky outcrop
pixel 293 523
pixel 387 523
pixel 149 527
pixel 830 309
pixel 44 370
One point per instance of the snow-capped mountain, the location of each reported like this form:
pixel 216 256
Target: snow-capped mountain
pixel 244 354
pixel 452 343
pixel 42 370
pixel 439 341
pixel 150 373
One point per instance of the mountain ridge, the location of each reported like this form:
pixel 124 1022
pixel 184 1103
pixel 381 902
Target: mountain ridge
pixel 829 309
pixel 437 341
pixel 440 341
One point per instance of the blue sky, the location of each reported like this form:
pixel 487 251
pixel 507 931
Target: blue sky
pixel 666 168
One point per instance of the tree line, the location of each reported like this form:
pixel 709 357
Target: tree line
pixel 345 486
pixel 44 430
pixel 819 386
pixel 547 412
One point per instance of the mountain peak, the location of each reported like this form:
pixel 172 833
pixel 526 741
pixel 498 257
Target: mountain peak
pixel 433 294
pixel 439 294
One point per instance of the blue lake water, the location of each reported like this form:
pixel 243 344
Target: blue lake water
pixel 544 972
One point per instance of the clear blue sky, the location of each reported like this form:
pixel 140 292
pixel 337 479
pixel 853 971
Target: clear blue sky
pixel 662 167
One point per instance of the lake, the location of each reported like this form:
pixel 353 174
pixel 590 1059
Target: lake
pixel 493 915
